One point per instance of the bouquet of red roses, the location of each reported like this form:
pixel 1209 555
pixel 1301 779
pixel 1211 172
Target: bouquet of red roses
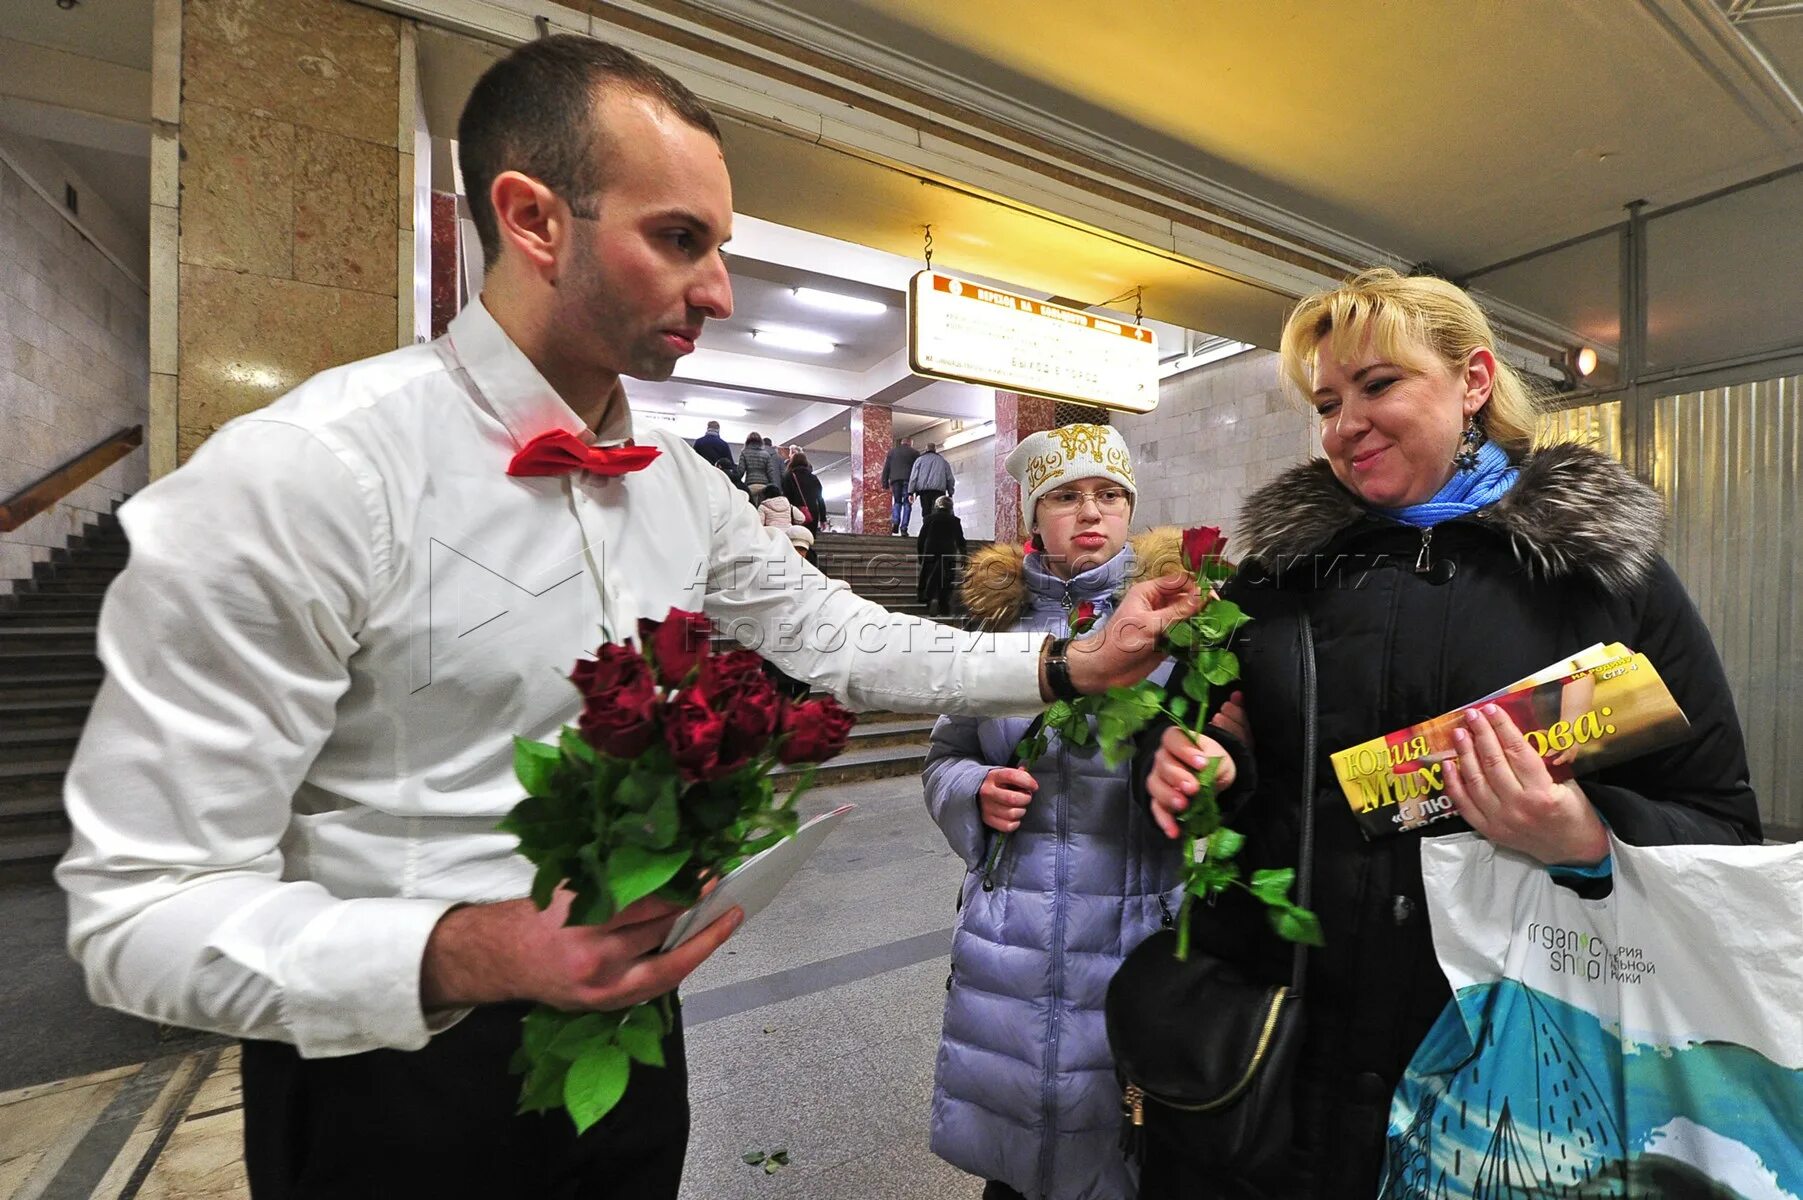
pixel 664 784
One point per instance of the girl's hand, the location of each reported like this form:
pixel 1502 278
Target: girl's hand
pixel 1004 797
pixel 1504 791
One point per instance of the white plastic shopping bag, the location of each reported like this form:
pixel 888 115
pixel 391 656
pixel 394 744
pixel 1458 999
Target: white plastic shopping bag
pixel 1649 1044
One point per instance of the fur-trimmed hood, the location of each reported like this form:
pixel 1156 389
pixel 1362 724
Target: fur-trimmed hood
pixel 1573 512
pixel 995 581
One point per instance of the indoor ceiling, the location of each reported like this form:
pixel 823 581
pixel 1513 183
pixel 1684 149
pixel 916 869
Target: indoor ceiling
pixel 114 31
pixel 1454 133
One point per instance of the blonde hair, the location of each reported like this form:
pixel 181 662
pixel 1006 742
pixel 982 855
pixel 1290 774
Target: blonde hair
pixel 1403 316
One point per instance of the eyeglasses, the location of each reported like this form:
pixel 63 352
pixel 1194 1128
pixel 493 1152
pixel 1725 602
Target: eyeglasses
pixel 1110 502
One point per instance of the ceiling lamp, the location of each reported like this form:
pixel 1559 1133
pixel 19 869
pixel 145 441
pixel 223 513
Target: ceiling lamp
pixel 1580 364
pixel 715 408
pixel 834 302
pixel 804 340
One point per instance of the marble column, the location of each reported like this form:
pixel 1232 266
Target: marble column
pixel 289 160
pixel 1016 417
pixel 444 261
pixel 872 436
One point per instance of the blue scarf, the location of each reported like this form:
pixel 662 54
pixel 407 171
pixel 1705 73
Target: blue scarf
pixel 1464 493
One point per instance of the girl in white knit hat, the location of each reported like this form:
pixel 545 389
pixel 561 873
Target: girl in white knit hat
pixel 1024 1089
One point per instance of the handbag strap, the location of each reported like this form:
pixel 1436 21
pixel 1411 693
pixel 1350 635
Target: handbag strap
pixel 1305 858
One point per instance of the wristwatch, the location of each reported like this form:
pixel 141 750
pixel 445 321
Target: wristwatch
pixel 1058 671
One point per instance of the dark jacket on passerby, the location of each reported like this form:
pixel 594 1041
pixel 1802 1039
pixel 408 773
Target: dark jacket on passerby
pixel 1408 624
pixel 898 464
pixel 757 467
pixel 802 487
pixel 932 473
pixel 941 547
pixel 715 449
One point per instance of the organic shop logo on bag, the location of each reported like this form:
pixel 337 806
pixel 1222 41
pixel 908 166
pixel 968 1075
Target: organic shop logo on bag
pixel 1574 952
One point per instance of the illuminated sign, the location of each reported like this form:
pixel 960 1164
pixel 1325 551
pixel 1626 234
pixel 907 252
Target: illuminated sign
pixel 975 334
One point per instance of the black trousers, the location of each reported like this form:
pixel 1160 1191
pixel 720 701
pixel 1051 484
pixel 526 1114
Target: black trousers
pixel 440 1123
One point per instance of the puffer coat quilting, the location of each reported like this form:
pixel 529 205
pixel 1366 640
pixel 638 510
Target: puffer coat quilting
pixel 1024 1088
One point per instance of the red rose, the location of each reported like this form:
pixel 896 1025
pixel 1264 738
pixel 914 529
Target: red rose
pixel 619 701
pixel 1201 545
pixel 693 731
pixel 678 644
pixel 736 686
pixel 1084 616
pixel 816 731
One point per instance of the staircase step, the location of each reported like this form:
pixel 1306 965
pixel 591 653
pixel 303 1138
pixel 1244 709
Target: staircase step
pixel 32 806
pixel 33 847
pixel 63 685
pixel 33 770
pixel 72 638
pixel 855 765
pixel 912 732
pixel 61 733
pixel 38 709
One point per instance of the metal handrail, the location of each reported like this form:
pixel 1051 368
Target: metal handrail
pixel 43 495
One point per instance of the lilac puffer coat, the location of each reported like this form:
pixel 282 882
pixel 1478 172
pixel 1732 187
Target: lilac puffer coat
pixel 1024 1088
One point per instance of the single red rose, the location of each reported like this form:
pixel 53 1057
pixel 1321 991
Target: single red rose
pixel 737 686
pixel 678 643
pixel 1201 545
pixel 693 731
pixel 1085 613
pixel 817 730
pixel 619 701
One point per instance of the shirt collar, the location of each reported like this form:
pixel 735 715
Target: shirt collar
pixel 526 404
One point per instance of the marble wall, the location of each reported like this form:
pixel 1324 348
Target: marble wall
pixel 1218 433
pixel 74 368
pixel 292 171
pixel 1016 417
pixel 974 501
pixel 872 437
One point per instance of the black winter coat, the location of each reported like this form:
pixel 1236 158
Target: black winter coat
pixel 941 546
pixel 802 487
pixel 1409 624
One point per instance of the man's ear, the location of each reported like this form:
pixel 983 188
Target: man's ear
pixel 530 218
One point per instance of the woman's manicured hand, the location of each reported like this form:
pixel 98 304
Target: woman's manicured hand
pixel 1172 780
pixel 1504 791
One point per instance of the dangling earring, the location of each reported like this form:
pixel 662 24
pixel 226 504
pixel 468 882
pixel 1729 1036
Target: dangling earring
pixel 1469 443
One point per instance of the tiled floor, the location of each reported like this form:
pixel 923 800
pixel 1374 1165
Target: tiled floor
pixel 834 1064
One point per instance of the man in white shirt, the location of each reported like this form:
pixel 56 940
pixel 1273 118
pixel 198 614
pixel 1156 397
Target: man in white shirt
pixel 338 613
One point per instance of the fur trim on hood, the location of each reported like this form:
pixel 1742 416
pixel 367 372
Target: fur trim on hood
pixel 1574 512
pixel 995 584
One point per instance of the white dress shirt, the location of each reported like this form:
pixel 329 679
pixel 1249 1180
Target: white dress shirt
pixel 334 620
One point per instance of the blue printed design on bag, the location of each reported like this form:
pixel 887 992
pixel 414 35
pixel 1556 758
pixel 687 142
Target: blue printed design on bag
pixel 1517 1094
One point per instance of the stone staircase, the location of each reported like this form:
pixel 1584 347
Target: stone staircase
pixel 49 674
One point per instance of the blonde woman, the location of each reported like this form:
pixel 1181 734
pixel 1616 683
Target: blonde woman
pixel 1437 557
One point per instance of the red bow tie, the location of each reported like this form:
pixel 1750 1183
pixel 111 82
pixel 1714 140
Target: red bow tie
pixel 559 452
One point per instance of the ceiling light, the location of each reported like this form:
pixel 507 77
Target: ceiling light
pixel 804 340
pixel 834 302
pixel 715 408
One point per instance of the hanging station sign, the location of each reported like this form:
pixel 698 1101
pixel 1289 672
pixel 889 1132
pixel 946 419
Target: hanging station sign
pixel 973 333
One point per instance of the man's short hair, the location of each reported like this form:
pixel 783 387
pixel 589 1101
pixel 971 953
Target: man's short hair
pixel 534 111
pixel 714 426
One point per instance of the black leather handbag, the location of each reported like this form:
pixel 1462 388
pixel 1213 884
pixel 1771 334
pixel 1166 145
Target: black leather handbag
pixel 1206 1054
